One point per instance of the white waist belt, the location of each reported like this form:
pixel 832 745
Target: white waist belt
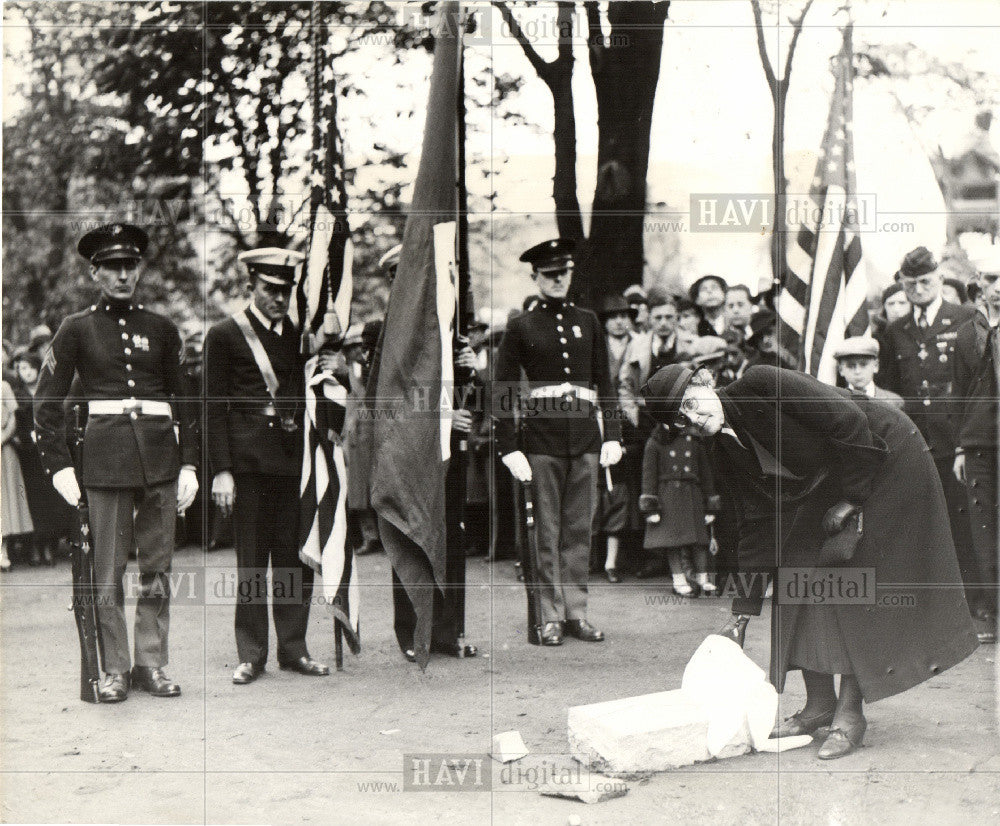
pixel 113 407
pixel 553 391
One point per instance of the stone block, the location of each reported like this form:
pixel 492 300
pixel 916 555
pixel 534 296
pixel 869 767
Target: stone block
pixel 653 732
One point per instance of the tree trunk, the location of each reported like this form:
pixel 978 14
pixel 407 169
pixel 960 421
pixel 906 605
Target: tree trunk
pixel 625 69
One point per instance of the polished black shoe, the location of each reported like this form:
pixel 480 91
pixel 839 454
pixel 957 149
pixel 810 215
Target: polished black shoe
pixel 114 689
pixel 842 740
pixel 798 724
pixel 410 654
pixel 612 574
pixel 736 629
pixel 454 649
pixel 552 633
pixel 307 666
pixel 519 572
pixel 583 630
pixel 247 673
pixel 154 681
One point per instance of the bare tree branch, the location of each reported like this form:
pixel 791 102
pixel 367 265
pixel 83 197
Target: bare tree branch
pixel 540 66
pixel 797 30
pixel 765 61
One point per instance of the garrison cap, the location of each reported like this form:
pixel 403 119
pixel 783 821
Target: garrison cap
pixel 273 264
pixel 917 262
pixel 113 242
pixel 549 256
pixel 856 346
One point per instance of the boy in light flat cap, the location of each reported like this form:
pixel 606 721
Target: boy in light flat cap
pixel 857 364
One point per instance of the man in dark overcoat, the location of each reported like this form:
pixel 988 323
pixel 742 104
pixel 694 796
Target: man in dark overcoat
pixel 915 362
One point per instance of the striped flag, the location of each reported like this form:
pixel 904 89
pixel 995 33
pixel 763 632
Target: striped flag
pixel 823 297
pixel 322 309
pixel 323 500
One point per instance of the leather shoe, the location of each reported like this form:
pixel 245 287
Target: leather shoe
pixel 154 681
pixel 247 673
pixel 583 630
pixel 306 665
pixel 736 629
pixel 842 740
pixel 454 649
pixel 552 633
pixel 799 724
pixel 114 689
pixel 612 574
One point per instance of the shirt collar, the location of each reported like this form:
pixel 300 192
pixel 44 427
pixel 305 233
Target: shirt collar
pixel 930 311
pixel 869 391
pixel 263 319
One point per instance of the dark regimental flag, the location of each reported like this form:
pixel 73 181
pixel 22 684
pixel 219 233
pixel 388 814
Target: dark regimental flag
pixel 411 382
pixel 822 300
pixel 323 500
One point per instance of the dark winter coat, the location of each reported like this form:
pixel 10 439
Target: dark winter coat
pixel 677 484
pixel 808 446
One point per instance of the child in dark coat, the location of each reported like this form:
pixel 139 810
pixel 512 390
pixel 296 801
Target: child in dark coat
pixel 678 499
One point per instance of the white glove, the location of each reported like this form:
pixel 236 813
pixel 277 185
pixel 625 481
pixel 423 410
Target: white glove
pixel 517 464
pixel 64 481
pixel 187 487
pixel 653 519
pixel 224 491
pixel 611 453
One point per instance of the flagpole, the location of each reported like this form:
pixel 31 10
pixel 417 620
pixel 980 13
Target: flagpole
pixel 463 298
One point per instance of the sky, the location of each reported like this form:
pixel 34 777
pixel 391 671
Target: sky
pixel 711 127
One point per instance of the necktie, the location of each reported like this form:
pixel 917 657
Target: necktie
pixel 922 318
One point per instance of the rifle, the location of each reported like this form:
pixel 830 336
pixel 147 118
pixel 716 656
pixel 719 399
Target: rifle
pixel 529 566
pixel 84 590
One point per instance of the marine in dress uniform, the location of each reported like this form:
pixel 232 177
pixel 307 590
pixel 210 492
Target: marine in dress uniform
pixel 915 362
pixel 561 349
pixel 128 361
pixel 254 388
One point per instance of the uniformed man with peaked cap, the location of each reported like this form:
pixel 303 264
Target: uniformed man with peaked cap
pixel 916 362
pixel 561 349
pixel 255 396
pixel 138 462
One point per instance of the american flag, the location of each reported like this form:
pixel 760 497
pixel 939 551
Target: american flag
pixel 823 297
pixel 322 308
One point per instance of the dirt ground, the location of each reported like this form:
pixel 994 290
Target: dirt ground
pixel 292 749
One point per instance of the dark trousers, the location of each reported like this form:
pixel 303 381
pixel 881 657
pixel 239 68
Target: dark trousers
pixel 565 492
pixel 122 519
pixel 958 514
pixel 981 492
pixel 265 520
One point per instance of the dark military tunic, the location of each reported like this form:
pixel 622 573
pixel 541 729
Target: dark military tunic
pixel 563 354
pixel 554 343
pixel 119 351
pixel 916 364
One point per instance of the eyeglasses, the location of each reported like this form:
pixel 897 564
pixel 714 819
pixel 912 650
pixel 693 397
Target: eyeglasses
pixel 689 404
